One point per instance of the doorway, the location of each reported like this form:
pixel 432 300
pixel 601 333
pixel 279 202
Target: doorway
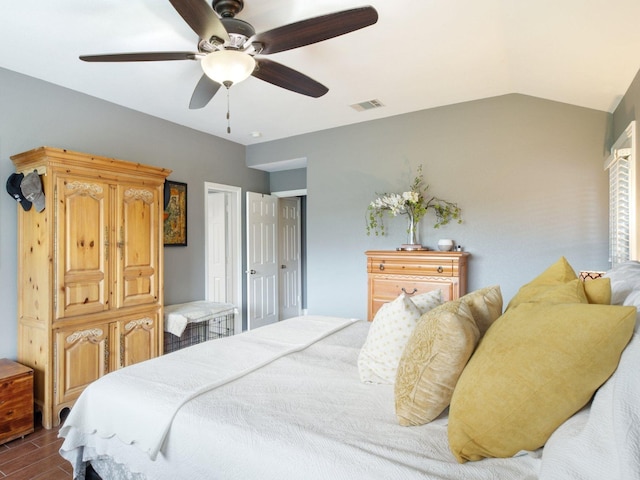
pixel 274 258
pixel 223 246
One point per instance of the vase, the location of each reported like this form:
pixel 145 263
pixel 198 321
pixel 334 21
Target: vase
pixel 412 233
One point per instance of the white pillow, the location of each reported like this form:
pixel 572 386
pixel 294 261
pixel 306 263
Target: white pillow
pixel 625 286
pixel 625 279
pixel 389 333
pixel 427 301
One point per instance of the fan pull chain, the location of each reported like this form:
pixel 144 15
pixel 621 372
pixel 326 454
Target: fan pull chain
pixel 228 115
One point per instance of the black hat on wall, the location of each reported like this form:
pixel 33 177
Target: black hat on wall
pixel 13 188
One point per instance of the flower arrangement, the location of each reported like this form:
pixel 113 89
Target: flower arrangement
pixel 414 203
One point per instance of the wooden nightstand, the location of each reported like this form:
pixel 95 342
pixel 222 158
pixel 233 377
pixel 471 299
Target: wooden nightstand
pixel 16 400
pixel 391 273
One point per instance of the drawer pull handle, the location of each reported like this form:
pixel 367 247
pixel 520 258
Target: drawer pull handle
pixel 440 269
pixel 414 291
pixel 381 266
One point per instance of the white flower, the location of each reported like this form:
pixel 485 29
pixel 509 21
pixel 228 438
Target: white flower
pixel 411 197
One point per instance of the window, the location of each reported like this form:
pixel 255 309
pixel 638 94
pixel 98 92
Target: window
pixel 622 198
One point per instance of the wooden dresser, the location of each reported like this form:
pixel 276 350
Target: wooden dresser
pixel 392 272
pixel 16 400
pixel 89 272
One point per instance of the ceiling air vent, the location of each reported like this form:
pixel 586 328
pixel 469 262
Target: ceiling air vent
pixel 368 105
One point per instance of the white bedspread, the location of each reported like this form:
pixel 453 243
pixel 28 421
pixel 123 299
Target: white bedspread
pixel 148 395
pixel 305 415
pixel 602 442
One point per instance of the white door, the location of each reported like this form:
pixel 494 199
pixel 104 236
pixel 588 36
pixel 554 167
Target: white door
pixel 223 246
pixel 217 258
pixel 289 258
pixel 262 260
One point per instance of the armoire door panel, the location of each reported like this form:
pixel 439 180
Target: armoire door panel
pixel 82 246
pixel 134 339
pixel 83 356
pixel 137 262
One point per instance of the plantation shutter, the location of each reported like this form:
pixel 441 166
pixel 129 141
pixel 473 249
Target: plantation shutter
pixel 622 199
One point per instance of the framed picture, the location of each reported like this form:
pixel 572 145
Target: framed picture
pixel 175 214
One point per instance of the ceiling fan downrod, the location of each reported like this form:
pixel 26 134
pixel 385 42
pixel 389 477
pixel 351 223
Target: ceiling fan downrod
pixel 227 8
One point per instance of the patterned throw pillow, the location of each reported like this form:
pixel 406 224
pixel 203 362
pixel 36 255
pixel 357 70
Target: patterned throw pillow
pixel 485 305
pixel 432 362
pixel 389 332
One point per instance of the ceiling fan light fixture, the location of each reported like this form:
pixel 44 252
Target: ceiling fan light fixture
pixel 228 66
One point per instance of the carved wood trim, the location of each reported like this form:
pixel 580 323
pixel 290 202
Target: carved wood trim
pixel 92 189
pixel 91 335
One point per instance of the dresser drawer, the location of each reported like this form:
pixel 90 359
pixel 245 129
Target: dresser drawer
pixel 399 266
pixel 385 289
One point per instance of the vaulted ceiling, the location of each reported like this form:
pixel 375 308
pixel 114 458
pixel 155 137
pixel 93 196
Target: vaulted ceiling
pixel 420 54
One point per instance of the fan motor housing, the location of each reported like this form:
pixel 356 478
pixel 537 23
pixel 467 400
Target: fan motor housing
pixel 238 27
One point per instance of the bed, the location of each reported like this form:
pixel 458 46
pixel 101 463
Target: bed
pixel 286 402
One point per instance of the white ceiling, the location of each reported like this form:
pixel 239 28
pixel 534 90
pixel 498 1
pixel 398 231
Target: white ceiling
pixel 421 54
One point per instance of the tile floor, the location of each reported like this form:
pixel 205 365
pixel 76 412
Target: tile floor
pixel 34 457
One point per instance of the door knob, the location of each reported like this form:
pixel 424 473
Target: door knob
pixel 252 271
pixel 283 266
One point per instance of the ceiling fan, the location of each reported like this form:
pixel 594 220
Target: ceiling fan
pixel 230 50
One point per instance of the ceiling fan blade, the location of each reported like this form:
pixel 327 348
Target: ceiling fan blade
pixel 203 93
pixel 315 29
pixel 285 77
pixel 140 57
pixel 201 18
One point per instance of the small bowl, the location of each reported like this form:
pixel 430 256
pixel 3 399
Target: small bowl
pixel 445 245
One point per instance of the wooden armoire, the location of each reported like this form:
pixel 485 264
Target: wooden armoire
pixel 90 272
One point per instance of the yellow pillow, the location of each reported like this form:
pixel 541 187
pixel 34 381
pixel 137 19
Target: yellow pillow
pixel 485 305
pixel 432 361
pixel 557 284
pixel 598 290
pixel 535 367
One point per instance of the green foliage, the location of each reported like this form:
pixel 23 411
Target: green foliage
pixel 415 203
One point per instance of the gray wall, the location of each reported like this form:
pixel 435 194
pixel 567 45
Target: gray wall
pixel 288 180
pixel 34 113
pixel 625 113
pixel 528 174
